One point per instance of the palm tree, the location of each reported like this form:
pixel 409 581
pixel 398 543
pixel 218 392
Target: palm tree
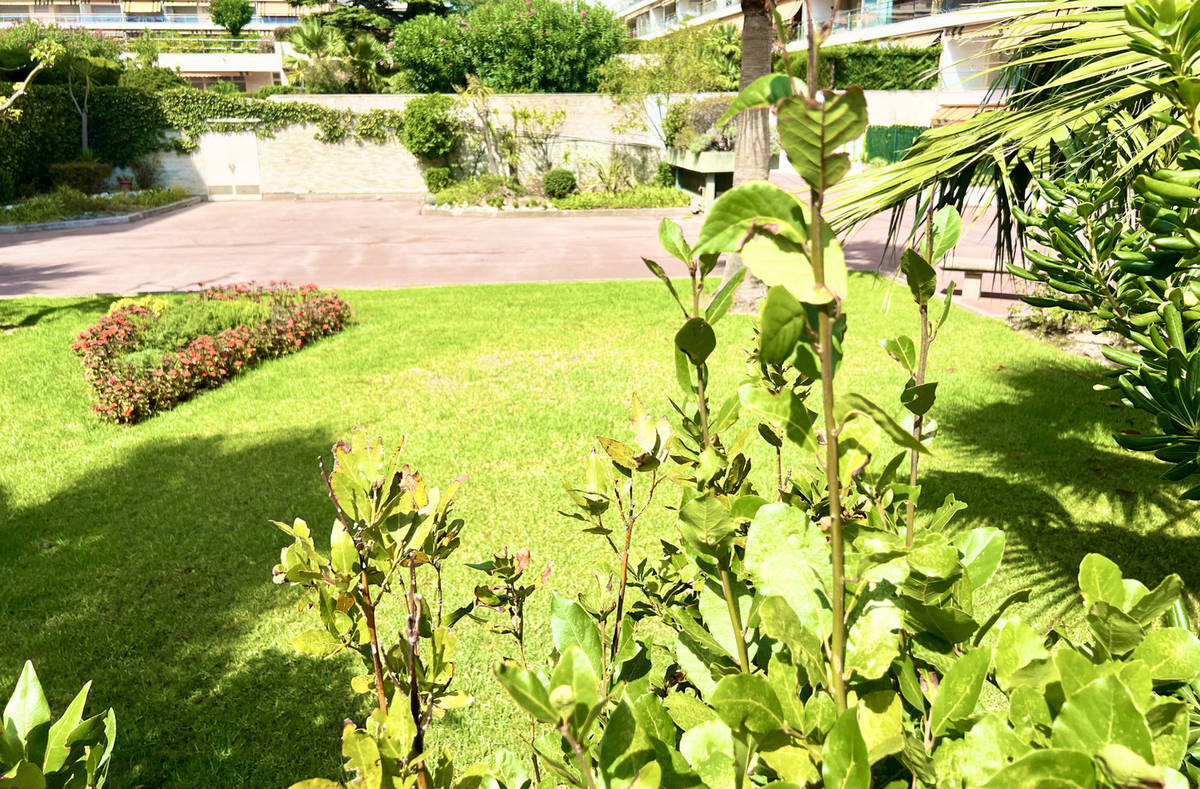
pixel 752 149
pixel 1075 102
pixel 363 55
pixel 315 39
pixel 724 45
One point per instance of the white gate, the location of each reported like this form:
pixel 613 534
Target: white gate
pixel 231 165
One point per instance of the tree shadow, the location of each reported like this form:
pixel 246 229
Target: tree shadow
pixel 151 577
pixel 22 313
pixel 1044 467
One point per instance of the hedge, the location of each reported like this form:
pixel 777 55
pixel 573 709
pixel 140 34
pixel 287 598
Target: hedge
pixel 126 123
pixel 890 142
pixel 871 67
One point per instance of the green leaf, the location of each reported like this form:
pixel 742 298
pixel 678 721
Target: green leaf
pixel 572 626
pixel 1029 713
pixel 1017 646
pixel 527 691
pixel 811 132
pixel 748 702
pixel 58 742
pixel 947 227
pixel 919 399
pixel 708 748
pixel 575 673
pixel 1113 629
pixel 1058 768
pixel 922 279
pixel 706 526
pixel 1101 714
pixel 785 408
pixel 657 271
pixel 880 719
pixel 874 639
pixel 982 551
pixel 316 783
pixel 782 624
pixel 959 690
pixel 751 205
pixel 782 323
pixel 1168 722
pixel 903 350
pixel 722 300
pixel 316 641
pixel 762 92
pixel 362 758
pixel 688 712
pixel 670 235
pixel 1172 655
pixel 787 555
pixel 342 553
pixel 23 775
pixel 27 714
pixel 1100 581
pixel 858 404
pixel 697 340
pixel 777 260
pixel 845 762
pixel 1155 603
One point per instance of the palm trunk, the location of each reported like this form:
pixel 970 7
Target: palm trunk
pixel 752 149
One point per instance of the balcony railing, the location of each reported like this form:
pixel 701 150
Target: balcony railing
pixel 139 20
pixel 885 13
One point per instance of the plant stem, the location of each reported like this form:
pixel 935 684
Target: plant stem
pixel 825 342
pixel 629 521
pixel 914 458
pixel 414 701
pixel 735 618
pixel 701 369
pixel 577 749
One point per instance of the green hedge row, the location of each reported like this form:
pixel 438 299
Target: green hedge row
pixel 871 67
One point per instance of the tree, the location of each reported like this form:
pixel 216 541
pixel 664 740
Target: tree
pixel 84 72
pixel 44 54
pixel 233 15
pixel 752 151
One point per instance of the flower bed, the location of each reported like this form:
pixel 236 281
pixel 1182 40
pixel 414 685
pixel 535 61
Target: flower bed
pixel 132 378
pixel 67 203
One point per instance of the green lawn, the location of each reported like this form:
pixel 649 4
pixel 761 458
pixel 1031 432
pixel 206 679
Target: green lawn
pixel 140 557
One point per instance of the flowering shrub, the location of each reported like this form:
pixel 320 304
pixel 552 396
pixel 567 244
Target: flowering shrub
pixel 130 386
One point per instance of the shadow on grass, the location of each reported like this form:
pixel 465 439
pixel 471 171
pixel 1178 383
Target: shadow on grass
pixel 152 578
pixel 26 312
pixel 1038 471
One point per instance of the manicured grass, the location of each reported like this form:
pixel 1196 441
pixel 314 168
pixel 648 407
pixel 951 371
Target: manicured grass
pixel 139 557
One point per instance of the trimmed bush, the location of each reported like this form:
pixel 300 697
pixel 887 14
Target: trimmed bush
pixel 86 177
pixel 665 175
pixel 697 132
pixel 558 183
pixel 275 90
pixel 890 142
pixel 437 179
pixel 131 381
pixel 431 127
pixel 871 67
pixel 644 196
pixel 152 79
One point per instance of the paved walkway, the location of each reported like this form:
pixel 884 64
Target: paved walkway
pixel 358 244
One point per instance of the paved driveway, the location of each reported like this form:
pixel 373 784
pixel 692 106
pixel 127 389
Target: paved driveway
pixel 351 244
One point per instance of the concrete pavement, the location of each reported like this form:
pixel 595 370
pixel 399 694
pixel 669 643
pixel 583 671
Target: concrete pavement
pixel 360 244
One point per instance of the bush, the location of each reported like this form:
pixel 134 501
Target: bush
pixel 225 88
pixel 643 196
pixel 128 387
pixel 275 90
pixel 673 122
pixel 68 203
pixel 664 176
pixel 477 190
pixel 890 142
pixel 175 328
pixel 512 46
pixel 871 67
pixel 152 79
pixel 432 127
pixel 697 132
pixel 86 177
pixel 558 183
pixel 437 179
pixel 8 189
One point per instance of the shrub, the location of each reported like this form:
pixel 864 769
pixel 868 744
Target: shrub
pixel 674 121
pixel 643 196
pixel 176 328
pixel 476 191
pixel 232 15
pixel 145 172
pixel 437 179
pixel 225 88
pixel 512 46
pixel 558 183
pixel 8 189
pixel 890 142
pixel 275 90
pixel 86 177
pixel 152 79
pixel 697 132
pixel 68 203
pixel 71 751
pixel 665 175
pixel 128 387
pixel 870 67
pixel 431 127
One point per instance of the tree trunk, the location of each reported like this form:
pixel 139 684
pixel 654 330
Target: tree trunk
pixel 752 149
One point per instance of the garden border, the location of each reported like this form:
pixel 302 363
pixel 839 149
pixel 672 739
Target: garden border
pixel 488 211
pixel 134 216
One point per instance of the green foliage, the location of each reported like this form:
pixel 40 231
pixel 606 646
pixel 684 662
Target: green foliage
pixel 695 128
pixel 224 87
pixel 479 189
pixel 889 143
pixel 175 328
pixel 232 15
pixel 643 196
pixel 19 42
pixel 1127 260
pixel 68 203
pixel 432 127
pixel 437 179
pixel 275 90
pixel 152 79
pixel 86 177
pixel 558 183
pixel 38 751
pixel 543 46
pixel 664 176
pixel 871 67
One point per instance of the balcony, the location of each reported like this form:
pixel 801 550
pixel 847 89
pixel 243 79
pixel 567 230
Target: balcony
pixel 874 14
pixel 140 21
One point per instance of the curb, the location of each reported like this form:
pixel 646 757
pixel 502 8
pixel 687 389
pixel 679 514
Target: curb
pixel 71 224
pixel 487 211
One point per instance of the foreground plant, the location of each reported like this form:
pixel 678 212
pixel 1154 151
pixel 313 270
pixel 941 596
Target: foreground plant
pixel 37 752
